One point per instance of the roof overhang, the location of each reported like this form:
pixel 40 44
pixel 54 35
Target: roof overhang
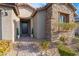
pixel 24 5
pixel 45 7
pixel 72 6
pixel 11 5
pixel 16 5
pixel 25 18
pixel 49 4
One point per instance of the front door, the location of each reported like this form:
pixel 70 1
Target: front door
pixel 25 28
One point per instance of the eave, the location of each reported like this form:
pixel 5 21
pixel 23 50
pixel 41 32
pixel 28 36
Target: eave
pixel 14 7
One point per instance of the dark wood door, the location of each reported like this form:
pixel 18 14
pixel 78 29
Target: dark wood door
pixel 24 28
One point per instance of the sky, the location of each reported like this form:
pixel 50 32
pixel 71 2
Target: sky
pixel 37 5
pixel 77 7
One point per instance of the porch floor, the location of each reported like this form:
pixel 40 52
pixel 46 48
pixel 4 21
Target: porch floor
pixel 26 46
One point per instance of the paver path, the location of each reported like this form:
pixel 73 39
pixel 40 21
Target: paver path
pixel 27 47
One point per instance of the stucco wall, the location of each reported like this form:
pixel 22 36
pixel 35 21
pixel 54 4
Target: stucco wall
pixel 7 25
pixel 0 26
pixel 39 24
pixel 25 12
pixel 15 25
pixel 35 25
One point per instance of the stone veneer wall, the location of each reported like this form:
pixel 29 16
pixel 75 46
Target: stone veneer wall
pixel 52 20
pixel 48 22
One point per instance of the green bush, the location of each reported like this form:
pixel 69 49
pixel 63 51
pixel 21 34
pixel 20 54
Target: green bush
pixel 66 51
pixel 5 46
pixel 62 38
pixel 66 26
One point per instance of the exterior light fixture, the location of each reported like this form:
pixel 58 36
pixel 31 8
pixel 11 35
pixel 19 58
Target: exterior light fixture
pixel 4 12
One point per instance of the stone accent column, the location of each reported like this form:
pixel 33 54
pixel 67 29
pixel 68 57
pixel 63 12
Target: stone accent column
pixel 48 23
pixel 53 18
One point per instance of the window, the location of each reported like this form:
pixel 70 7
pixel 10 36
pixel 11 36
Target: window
pixel 63 17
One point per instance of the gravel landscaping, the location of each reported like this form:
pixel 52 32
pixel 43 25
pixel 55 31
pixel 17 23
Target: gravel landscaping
pixel 30 48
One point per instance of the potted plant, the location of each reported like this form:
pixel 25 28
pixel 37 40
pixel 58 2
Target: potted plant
pixel 18 33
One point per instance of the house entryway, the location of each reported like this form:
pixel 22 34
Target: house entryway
pixel 25 28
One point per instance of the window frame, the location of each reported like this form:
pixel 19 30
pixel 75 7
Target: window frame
pixel 63 15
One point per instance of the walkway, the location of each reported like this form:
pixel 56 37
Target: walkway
pixel 28 47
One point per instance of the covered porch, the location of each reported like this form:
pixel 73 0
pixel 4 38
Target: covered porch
pixel 25 29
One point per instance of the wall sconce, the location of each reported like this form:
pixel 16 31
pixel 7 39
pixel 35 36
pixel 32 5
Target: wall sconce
pixel 4 12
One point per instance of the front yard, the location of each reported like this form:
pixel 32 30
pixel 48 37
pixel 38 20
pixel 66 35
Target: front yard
pixel 66 45
pixel 33 48
pixel 40 48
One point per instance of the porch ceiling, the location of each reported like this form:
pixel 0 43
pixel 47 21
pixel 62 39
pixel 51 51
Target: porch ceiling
pixel 24 18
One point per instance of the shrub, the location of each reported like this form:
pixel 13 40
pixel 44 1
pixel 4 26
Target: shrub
pixel 76 47
pixel 62 38
pixel 75 40
pixel 5 46
pixel 66 26
pixel 45 44
pixel 65 51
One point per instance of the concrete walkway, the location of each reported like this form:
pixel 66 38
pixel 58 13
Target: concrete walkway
pixel 28 47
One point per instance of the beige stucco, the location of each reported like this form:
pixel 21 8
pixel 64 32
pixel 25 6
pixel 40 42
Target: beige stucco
pixel 25 12
pixel 39 24
pixel 35 25
pixel 7 24
pixel 0 26
pixel 15 25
